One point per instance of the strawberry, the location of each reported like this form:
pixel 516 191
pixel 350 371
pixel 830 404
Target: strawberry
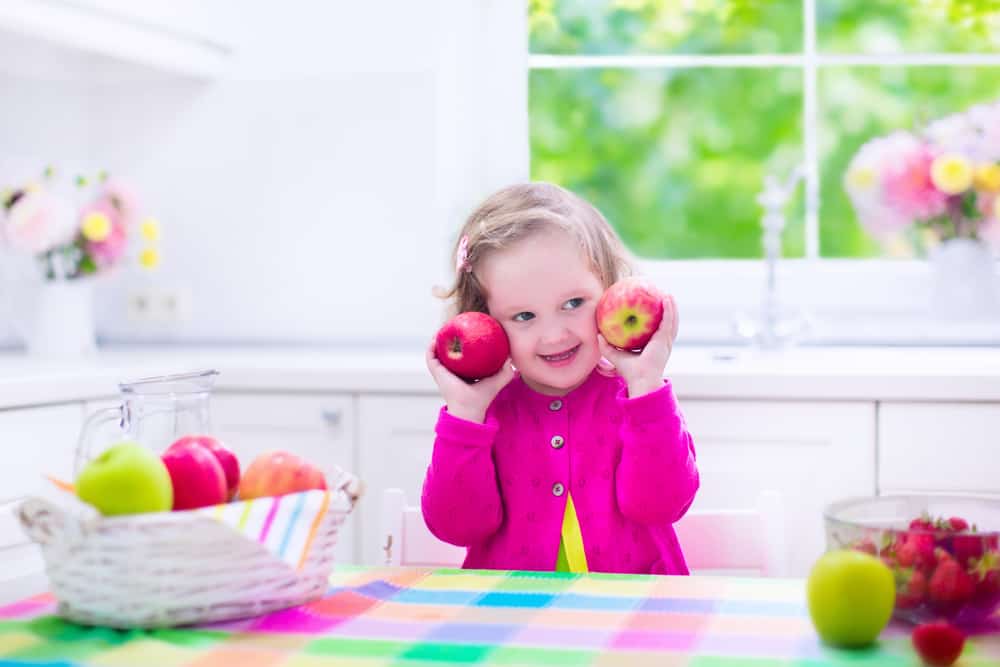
pixel 939 643
pixel 915 549
pixel 966 548
pixel 923 522
pixel 986 575
pixel 950 586
pixel 955 524
pixel 911 586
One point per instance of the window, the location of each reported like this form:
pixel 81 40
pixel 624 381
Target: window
pixel 668 114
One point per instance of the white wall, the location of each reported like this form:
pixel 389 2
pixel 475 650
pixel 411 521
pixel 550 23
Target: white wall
pixel 310 193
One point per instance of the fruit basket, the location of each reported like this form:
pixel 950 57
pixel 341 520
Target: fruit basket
pixel 944 551
pixel 164 569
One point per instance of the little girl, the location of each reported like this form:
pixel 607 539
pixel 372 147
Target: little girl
pixel 572 461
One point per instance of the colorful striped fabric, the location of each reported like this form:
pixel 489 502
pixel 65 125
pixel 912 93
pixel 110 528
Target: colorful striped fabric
pixel 419 618
pixel 286 525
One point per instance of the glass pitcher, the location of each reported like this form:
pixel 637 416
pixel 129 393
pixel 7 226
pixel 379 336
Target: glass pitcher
pixel 154 412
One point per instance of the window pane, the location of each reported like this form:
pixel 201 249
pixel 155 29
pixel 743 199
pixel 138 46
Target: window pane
pixel 912 26
pixel 860 103
pixel 665 26
pixel 675 159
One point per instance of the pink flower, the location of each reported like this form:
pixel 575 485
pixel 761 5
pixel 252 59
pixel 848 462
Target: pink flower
pixel 107 252
pixel 123 199
pixel 37 222
pixel 908 187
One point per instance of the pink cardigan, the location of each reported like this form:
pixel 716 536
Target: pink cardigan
pixel 499 488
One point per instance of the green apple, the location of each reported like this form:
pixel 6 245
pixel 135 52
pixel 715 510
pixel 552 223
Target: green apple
pixel 851 595
pixel 126 478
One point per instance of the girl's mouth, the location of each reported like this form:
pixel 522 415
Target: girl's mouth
pixel 562 357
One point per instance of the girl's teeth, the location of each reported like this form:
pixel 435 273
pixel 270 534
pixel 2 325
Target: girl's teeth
pixel 559 357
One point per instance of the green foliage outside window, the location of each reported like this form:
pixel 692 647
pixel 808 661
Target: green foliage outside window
pixel 675 158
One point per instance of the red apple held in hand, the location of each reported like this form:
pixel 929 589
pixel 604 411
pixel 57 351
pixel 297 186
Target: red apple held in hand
pixel 230 464
pixel 197 476
pixel 472 345
pixel 276 473
pixel 629 313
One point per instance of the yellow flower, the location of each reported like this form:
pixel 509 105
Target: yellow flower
pixel 149 258
pixel 96 226
pixel 951 174
pixel 150 229
pixel 988 177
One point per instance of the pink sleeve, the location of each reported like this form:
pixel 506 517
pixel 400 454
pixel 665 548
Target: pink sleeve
pixel 461 500
pixel 657 476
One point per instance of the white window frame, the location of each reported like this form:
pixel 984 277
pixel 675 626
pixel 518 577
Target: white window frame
pixel 846 300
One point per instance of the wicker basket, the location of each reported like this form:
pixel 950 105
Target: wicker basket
pixel 176 568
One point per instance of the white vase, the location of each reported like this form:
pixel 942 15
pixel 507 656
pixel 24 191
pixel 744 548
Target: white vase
pixel 964 280
pixel 61 320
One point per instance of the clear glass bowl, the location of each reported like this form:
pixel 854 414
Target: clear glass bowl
pixel 944 568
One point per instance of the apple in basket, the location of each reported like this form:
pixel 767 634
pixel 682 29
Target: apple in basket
pixel 276 473
pixel 126 478
pixel 227 459
pixel 629 313
pixel 197 476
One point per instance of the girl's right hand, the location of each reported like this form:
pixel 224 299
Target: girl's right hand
pixel 467 400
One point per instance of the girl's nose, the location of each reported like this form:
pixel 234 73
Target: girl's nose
pixel 555 335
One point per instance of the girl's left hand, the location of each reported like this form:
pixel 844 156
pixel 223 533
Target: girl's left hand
pixel 643 371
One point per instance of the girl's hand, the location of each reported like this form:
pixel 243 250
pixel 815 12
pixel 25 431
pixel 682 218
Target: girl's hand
pixel 643 371
pixel 465 400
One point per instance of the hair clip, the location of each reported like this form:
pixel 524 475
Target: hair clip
pixel 462 256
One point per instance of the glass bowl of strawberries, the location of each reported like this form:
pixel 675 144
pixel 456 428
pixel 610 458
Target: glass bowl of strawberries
pixel 943 550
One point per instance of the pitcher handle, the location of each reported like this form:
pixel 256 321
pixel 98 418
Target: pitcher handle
pixel 85 443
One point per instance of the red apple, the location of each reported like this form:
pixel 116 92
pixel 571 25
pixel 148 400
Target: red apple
pixel 629 313
pixel 276 473
pixel 472 345
pixel 196 475
pixel 230 464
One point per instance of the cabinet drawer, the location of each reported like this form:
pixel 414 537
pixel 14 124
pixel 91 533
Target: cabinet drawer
pixel 35 442
pixel 939 447
pixel 394 449
pixel 318 427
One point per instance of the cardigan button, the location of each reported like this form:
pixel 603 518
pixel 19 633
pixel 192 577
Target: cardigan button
pixel 555 405
pixel 558 489
pixel 557 442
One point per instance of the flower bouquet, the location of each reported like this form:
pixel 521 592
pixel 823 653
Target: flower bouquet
pixel 80 234
pixel 72 232
pixel 943 181
pixel 940 187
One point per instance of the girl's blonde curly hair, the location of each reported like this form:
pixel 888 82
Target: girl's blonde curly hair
pixel 516 213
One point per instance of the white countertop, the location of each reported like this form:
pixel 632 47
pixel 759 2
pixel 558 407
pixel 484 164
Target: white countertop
pixel 804 373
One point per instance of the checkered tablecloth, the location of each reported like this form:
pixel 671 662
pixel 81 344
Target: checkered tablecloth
pixel 375 616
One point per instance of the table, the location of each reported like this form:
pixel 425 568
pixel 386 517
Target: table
pixel 422 617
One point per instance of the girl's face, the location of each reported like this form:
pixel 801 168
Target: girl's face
pixel 544 294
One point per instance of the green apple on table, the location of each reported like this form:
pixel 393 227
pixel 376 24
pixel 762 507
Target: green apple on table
pixel 126 478
pixel 851 595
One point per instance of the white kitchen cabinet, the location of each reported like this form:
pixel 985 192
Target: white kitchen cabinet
pixel 35 441
pixel 396 436
pixel 939 447
pixel 319 427
pixel 811 453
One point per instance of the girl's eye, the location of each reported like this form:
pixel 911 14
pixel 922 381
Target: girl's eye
pixel 524 316
pixel 573 303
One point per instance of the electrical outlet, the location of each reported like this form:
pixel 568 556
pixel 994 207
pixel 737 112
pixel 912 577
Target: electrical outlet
pixel 158 305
